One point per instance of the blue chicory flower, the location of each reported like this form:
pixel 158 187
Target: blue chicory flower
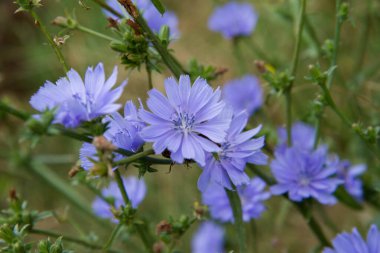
pixel 209 238
pixel 354 242
pixel 251 195
pixel 185 122
pixel 233 19
pixel 76 101
pixel 303 137
pixel 227 167
pixel 244 94
pixel 136 190
pixel 123 132
pixel 350 174
pixel 304 175
pixel 152 16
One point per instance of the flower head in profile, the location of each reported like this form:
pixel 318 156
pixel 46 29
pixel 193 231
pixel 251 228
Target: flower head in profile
pixel 304 175
pixel 153 17
pixel 123 132
pixel 136 190
pixel 303 137
pixel 208 238
pixel 350 174
pixel 227 166
pixel 185 122
pixel 354 242
pixel 233 19
pixel 251 195
pixel 244 94
pixel 76 101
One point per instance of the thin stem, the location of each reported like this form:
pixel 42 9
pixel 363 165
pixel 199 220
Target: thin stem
pixel 142 229
pixel 67 238
pixel 293 71
pixel 149 74
pixel 50 40
pixel 235 203
pixel 113 236
pixel 121 186
pixel 338 25
pixel 65 189
pixel 288 105
pixel 108 8
pixel 238 56
pixel 297 48
pixel 135 157
pixel 95 33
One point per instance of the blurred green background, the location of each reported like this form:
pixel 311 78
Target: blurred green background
pixel 26 61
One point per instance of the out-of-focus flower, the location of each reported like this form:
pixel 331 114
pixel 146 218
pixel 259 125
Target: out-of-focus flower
pixel 76 101
pixel 303 137
pixel 354 242
pixel 228 164
pixel 136 190
pixel 152 16
pixel 233 19
pixel 208 239
pixel 123 132
pixel 251 195
pixel 244 94
pixel 350 175
pixel 304 175
pixel 185 122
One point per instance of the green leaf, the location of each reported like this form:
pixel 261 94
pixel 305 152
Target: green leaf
pixel 159 6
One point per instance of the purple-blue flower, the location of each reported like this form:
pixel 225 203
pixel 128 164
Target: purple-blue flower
pixel 227 166
pixel 185 122
pixel 354 242
pixel 123 132
pixel 304 175
pixel 303 137
pixel 152 16
pixel 136 190
pixel 244 94
pixel 209 238
pixel 76 101
pixel 350 174
pixel 233 19
pixel 251 196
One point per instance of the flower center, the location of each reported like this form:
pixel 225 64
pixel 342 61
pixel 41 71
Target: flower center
pixel 184 122
pixel 304 181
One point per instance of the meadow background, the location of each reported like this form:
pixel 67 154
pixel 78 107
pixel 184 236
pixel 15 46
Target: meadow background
pixel 26 61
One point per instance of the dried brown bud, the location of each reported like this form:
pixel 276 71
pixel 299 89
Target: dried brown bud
pixel 134 26
pixel 13 194
pixel 199 210
pixel 74 170
pixel 102 144
pixel 260 65
pixel 220 71
pixel 163 227
pixel 112 23
pixel 130 7
pixel 158 247
pixel 59 41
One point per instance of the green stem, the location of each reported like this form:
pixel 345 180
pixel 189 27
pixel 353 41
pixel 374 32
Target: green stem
pixel 95 33
pixel 288 105
pixel 65 189
pixel 108 8
pixel 50 40
pixel 238 56
pixel 142 229
pixel 84 243
pixel 293 71
pixel 135 157
pixel 121 186
pixel 149 74
pixel 338 25
pixel 113 236
pixel 235 203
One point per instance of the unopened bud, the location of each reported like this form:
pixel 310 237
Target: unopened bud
pixel 102 144
pixel 64 22
pixel 158 247
pixel 163 227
